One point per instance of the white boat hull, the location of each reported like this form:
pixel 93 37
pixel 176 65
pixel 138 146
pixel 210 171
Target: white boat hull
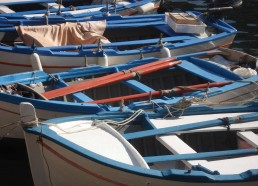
pixel 148 7
pixel 13 62
pixel 10 117
pixel 62 167
pixel 10 111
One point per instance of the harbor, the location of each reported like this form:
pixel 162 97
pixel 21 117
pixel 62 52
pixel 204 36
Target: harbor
pixel 109 85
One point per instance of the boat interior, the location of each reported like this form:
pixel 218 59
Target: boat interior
pixel 232 59
pixel 137 36
pixel 166 143
pixel 158 34
pixel 19 7
pixel 194 141
pixel 160 80
pixel 165 79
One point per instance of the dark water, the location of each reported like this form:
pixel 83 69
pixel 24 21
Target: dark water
pixel 14 166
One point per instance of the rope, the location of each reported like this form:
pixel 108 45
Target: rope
pixel 71 132
pixel 182 105
pixel 240 102
pixel 54 79
pixel 122 105
pixel 226 123
pixel 153 104
pixel 124 122
pixel 96 123
pixel 29 123
pixel 138 75
pixel 16 124
pixel 191 89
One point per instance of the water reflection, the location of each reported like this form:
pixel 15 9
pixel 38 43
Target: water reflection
pixel 243 18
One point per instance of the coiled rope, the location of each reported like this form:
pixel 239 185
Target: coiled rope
pixel 185 103
pixel 96 123
pixel 182 105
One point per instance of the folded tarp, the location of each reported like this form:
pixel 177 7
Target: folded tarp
pixel 63 34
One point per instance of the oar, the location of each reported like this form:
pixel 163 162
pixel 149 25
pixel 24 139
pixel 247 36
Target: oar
pixel 203 124
pixel 161 92
pixel 201 155
pixel 112 78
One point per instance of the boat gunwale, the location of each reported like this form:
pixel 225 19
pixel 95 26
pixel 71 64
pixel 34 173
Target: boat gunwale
pixel 59 50
pixel 32 78
pixel 196 176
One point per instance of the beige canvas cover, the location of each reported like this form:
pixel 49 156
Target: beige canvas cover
pixel 63 34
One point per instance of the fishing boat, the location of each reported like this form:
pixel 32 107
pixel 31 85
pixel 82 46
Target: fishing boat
pixel 215 147
pixel 99 40
pixel 147 84
pixel 239 62
pixel 37 8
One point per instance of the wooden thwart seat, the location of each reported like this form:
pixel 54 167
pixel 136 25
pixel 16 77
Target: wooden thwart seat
pixel 249 137
pixel 5 9
pixel 224 166
pixel 174 144
pixel 233 165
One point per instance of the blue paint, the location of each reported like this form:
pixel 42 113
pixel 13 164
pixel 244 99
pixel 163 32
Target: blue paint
pixel 198 174
pixel 173 40
pixel 201 155
pixel 65 12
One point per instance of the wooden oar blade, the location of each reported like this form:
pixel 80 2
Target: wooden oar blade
pixel 112 78
pixel 161 92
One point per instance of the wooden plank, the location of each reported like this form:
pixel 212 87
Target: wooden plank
pixel 249 137
pixel 5 9
pixel 233 165
pixel 175 145
pixel 209 75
